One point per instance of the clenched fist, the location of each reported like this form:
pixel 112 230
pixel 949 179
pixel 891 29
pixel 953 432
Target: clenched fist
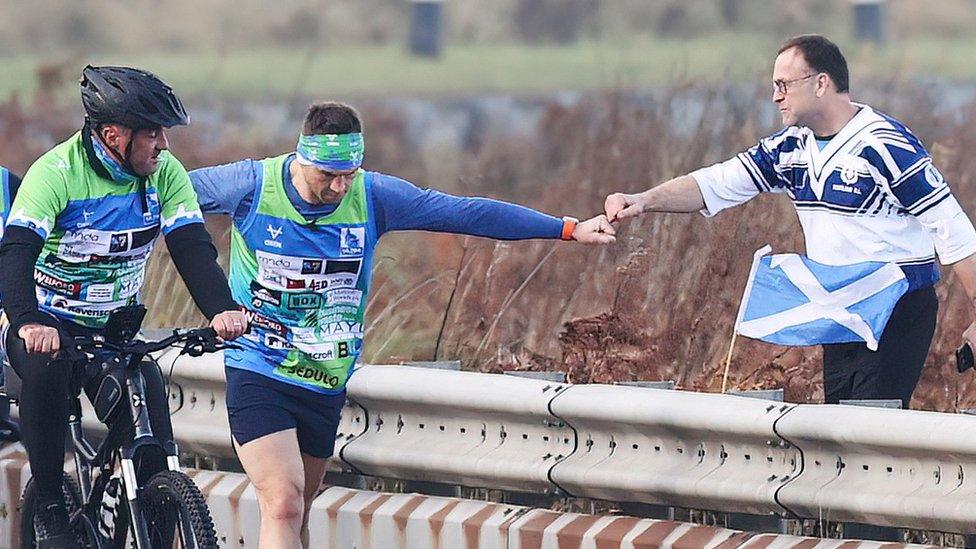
pixel 621 206
pixel 596 230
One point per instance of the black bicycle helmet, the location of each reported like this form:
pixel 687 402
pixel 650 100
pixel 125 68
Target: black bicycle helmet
pixel 134 98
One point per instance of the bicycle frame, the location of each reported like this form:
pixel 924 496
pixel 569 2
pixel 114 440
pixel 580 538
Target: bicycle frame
pixel 88 459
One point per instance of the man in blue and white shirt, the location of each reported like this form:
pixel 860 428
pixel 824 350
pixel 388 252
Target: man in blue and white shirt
pixel 864 188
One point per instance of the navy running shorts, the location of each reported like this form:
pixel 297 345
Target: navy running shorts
pixel 258 405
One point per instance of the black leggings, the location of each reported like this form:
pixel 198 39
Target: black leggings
pixel 44 406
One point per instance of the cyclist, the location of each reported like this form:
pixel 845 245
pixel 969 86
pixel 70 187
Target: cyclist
pixel 305 228
pixel 9 431
pixel 75 248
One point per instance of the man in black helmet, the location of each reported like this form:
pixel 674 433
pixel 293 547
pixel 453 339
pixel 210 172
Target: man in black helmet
pixel 75 248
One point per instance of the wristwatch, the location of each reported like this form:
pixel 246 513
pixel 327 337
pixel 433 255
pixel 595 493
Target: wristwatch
pixel 569 227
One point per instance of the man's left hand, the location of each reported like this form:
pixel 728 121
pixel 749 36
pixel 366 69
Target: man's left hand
pixel 229 325
pixel 595 231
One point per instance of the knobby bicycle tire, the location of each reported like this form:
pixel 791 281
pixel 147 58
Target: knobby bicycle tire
pixel 170 498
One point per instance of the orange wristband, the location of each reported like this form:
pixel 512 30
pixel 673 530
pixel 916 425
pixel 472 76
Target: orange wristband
pixel 569 226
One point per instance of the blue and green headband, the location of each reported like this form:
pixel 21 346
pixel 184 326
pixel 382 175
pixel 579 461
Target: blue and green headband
pixel 338 152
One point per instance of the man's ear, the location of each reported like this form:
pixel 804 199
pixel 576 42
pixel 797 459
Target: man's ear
pixel 111 135
pixel 823 82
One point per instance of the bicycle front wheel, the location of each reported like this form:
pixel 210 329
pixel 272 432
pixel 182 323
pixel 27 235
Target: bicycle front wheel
pixel 175 512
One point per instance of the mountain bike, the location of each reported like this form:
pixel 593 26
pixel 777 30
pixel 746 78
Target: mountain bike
pixel 130 483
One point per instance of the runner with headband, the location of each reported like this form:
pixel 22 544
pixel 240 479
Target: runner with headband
pixel 305 227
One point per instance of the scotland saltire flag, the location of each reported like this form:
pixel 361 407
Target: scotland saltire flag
pixel 793 300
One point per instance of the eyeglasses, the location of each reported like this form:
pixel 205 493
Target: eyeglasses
pixel 783 86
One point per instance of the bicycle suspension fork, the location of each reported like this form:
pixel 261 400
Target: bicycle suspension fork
pixel 136 391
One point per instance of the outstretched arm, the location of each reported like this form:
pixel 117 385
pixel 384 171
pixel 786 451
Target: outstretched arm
pixel 401 206
pixel 713 188
pixel 679 195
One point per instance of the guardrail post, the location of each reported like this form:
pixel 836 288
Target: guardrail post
pixel 346 479
pixel 664 384
pixel 869 531
pixel 647 510
pixel 758 523
pixel 873 402
pixel 777 395
pixel 432 488
pixel 557 377
pixel 527 499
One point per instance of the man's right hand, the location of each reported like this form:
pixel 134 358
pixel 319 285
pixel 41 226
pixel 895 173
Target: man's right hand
pixel 40 339
pixel 621 206
pixel 229 324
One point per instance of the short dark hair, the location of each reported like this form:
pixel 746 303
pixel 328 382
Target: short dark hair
pixel 331 117
pixel 823 56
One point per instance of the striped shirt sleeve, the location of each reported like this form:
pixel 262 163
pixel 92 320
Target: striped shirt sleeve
pixel 745 175
pixel 901 158
pixel 919 187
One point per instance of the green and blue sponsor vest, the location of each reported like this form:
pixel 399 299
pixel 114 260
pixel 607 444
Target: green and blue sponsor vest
pixel 303 285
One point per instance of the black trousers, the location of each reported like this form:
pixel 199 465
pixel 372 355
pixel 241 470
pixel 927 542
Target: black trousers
pixel 44 406
pixel 852 371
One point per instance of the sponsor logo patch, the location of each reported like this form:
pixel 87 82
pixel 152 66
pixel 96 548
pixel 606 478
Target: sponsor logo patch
pixel 344 296
pixel 119 243
pixel 100 293
pixel 304 301
pixel 311 266
pixel 261 295
pixel 61 286
pixel 275 232
pixel 265 323
pixel 351 240
pixel 273 341
pixel 934 176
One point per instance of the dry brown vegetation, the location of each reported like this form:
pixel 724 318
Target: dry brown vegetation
pixel 657 305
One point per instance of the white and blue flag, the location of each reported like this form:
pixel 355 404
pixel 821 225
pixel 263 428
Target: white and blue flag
pixel 793 300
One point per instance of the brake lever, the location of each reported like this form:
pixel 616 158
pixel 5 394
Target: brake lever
pixel 200 345
pixel 196 348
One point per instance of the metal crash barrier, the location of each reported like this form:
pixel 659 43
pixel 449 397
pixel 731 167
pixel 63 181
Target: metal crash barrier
pixel 457 428
pixel 633 444
pixel 724 453
pixel 342 518
pixel 882 466
pixel 666 447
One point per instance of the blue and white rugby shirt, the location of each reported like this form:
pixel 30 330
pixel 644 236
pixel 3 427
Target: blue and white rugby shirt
pixel 871 194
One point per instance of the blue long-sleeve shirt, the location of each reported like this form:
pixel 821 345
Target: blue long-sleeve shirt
pixel 398 205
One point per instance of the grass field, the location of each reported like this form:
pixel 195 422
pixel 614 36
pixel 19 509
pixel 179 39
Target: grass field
pixel 275 72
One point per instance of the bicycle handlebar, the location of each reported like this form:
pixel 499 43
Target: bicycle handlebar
pixel 198 341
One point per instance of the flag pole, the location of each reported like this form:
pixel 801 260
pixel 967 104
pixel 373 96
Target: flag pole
pixel 728 360
pixel 756 257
